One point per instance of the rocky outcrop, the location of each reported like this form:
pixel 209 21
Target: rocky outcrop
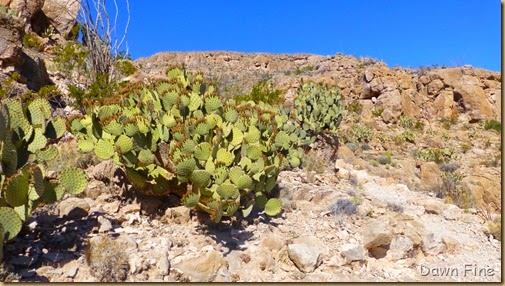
pixel 11 29
pixel 62 13
pixel 472 94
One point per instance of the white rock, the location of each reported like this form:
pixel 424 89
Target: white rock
pixel 306 257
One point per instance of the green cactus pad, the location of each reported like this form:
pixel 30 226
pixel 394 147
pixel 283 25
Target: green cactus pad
pixel 220 175
pixel 76 126
pixel 39 141
pixel 244 182
pixel 209 166
pixel 73 180
pixel 113 128
pixel 253 152
pixel 39 111
pixel 195 102
pixel 188 146
pixel 260 200
pixel 273 207
pixel 212 103
pixel 235 173
pixel 270 183
pixel 282 140
pixel 52 193
pixel 130 129
pixel 16 189
pixel 38 182
pixel 253 135
pixel 145 157
pixel 186 166
pixel 10 222
pixel 294 162
pixel 224 157
pixel 56 128
pixel 237 137
pixel 202 128
pixel 168 120
pixel 228 191
pixel 191 200
pixel 104 149
pixel 124 144
pixel 200 178
pixel 85 145
pixel 47 154
pixel 231 115
pixel 138 180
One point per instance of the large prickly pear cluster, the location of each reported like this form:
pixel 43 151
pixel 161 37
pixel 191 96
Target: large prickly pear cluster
pixel 181 138
pixel 25 134
pixel 318 108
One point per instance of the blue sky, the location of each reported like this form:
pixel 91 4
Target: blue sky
pixel 400 33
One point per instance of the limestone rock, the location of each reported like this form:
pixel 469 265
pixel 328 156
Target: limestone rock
pixel 306 257
pixel 11 29
pixel 202 268
pixel 376 233
pixel 432 245
pixel 73 208
pixel 352 252
pixel 391 103
pixel 430 175
pixel 399 247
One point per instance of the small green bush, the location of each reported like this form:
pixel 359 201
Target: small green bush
pixel 355 107
pixel 385 158
pixel 262 92
pixel 405 122
pixel 125 67
pixel 361 133
pixel 70 57
pixel 31 41
pixel 493 125
pixel 377 112
pixel 303 69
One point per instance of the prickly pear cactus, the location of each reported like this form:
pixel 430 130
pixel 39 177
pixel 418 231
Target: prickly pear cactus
pixel 24 148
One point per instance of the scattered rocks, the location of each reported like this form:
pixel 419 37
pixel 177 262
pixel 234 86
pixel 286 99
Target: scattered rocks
pixel 376 233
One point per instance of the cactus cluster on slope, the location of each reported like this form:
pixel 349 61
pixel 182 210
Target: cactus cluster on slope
pixel 179 137
pixel 25 137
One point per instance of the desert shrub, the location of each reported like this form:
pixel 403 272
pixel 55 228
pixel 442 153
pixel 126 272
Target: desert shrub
pixel 125 67
pixel 359 134
pixel 354 106
pixel 70 58
pixel 107 259
pixel 493 125
pixel 377 112
pixel 303 69
pixel 436 155
pixel 405 122
pixel 397 208
pixel 494 229
pixel 97 93
pixel 465 148
pixel 32 41
pixel 385 158
pixel 262 92
pixel 344 207
pixel 453 193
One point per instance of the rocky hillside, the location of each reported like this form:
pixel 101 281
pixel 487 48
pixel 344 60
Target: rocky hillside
pixel 413 193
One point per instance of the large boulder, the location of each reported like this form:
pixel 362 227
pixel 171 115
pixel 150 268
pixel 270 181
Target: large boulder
pixel 62 13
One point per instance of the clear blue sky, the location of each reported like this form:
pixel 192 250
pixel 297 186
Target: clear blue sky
pixel 400 33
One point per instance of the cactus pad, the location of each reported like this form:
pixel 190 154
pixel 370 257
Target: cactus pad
pixel 73 180
pixel 273 207
pixel 10 222
pixel 104 149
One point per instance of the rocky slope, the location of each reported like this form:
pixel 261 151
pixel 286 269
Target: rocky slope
pixel 382 210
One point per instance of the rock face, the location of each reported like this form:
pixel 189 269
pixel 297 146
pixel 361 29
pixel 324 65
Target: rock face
pixel 10 40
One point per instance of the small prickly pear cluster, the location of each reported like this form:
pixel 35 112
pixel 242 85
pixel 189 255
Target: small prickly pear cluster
pixel 24 147
pixel 318 108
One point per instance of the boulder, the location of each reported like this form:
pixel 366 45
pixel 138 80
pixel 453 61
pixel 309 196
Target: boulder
pixel 352 252
pixel 377 233
pixel 430 175
pixel 11 29
pixel 62 13
pixel 391 102
pixel 202 268
pixel 306 257
pixel 400 247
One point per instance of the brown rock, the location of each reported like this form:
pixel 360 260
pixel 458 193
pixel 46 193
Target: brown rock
pixel 376 233
pixel 435 86
pixel 443 104
pixel 430 175
pixel 484 185
pixel 474 101
pixel 391 103
pixel 202 268
pixel 62 13
pixel 73 208
pixel 10 40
